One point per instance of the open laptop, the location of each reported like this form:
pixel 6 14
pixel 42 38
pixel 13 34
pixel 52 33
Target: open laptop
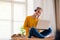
pixel 43 24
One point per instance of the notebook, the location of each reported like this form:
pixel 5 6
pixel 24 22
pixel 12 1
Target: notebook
pixel 43 24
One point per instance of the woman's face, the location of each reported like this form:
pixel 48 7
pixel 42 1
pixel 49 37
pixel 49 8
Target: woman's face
pixel 38 12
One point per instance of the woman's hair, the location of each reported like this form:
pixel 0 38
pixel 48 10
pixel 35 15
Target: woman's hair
pixel 37 9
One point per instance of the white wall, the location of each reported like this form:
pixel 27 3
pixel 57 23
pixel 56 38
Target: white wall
pixel 48 11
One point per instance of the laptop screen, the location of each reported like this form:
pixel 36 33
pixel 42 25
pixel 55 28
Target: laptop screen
pixel 43 24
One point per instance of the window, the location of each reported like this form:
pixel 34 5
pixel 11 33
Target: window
pixel 12 16
pixel 5 10
pixel 17 26
pixel 5 29
pixel 5 19
pixel 19 12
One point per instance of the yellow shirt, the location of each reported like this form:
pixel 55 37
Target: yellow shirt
pixel 30 22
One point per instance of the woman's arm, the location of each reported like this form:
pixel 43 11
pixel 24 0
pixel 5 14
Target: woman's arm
pixel 26 27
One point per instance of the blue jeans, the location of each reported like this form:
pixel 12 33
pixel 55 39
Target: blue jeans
pixel 35 33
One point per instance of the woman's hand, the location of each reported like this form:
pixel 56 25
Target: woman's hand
pixel 29 29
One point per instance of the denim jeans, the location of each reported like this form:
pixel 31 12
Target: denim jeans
pixel 35 33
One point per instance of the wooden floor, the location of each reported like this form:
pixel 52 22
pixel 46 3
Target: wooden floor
pixel 17 38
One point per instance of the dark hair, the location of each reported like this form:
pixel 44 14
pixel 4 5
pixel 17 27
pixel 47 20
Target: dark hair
pixel 37 9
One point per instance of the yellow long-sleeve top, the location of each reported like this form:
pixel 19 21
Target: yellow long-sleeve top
pixel 30 22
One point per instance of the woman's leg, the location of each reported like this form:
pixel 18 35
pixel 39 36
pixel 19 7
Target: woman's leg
pixel 35 33
pixel 46 32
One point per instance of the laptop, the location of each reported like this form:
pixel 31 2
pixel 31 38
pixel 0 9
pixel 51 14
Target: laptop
pixel 43 24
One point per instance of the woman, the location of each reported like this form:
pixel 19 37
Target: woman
pixel 31 22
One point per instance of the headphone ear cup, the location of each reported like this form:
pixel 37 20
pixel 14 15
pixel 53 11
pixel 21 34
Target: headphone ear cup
pixel 35 10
